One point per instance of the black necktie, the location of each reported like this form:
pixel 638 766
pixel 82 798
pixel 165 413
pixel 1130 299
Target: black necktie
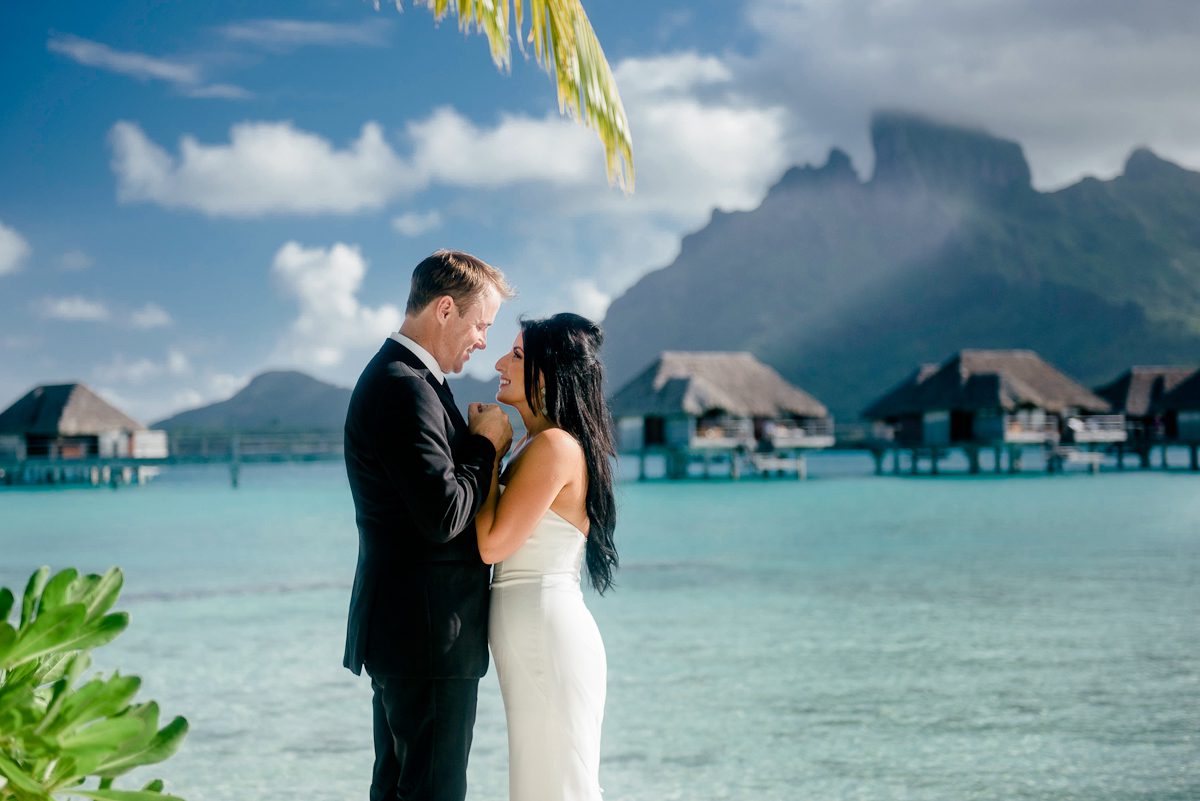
pixel 443 390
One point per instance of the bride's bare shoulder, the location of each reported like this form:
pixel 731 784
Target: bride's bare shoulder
pixel 560 443
pixel 553 446
pixel 550 449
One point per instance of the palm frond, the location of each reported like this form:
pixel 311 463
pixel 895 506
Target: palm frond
pixel 565 45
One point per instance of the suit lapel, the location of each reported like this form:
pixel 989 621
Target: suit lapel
pixel 447 397
pixel 457 423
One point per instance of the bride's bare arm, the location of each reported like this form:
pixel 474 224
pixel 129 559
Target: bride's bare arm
pixel 549 463
pixel 487 509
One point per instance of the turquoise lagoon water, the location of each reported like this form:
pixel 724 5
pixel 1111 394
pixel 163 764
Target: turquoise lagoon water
pixel 849 637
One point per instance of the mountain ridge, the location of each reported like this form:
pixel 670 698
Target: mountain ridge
pixel 290 400
pixel 844 285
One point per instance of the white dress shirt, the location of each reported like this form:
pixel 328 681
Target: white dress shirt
pixel 422 354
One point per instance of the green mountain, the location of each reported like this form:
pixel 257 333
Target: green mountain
pixel 845 285
pixel 278 400
pixel 294 401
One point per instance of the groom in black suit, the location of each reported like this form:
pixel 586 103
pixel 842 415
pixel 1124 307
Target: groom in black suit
pixel 418 473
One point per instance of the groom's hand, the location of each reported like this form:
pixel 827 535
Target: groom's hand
pixel 490 420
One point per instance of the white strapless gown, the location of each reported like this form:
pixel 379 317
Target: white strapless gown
pixel 551 665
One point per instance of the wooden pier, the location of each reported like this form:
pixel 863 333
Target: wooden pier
pixel 1004 458
pixel 233 450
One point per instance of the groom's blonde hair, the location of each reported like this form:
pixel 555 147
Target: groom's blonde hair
pixel 460 275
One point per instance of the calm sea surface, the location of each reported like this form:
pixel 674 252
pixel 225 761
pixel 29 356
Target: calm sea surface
pixel 849 637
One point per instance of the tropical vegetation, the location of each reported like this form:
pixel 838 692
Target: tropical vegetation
pixel 63 736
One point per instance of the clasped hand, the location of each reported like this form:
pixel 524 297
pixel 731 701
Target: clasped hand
pixel 489 420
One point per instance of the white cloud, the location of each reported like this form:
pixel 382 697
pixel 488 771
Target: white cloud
pixel 673 73
pixel 14 250
pixel 332 321
pixel 74 308
pixel 1078 85
pixel 222 386
pixel 75 261
pixel 187 399
pixel 120 370
pixel 288 34
pixel 415 224
pixel 450 149
pixel 152 388
pixel 700 143
pixel 187 78
pixel 177 362
pixel 267 168
pixel 219 91
pixel 588 299
pixel 150 316
pixel 135 65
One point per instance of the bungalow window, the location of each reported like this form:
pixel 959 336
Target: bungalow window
pixel 962 426
pixel 656 431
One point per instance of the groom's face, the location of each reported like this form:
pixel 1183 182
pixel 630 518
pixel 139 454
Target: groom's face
pixel 466 333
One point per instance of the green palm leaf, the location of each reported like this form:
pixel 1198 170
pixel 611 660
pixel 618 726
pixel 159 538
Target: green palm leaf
pixel 21 781
pixel 566 46
pixel 6 603
pixel 55 592
pixel 99 593
pixel 33 590
pixel 105 735
pixel 44 634
pixel 161 747
pixel 8 635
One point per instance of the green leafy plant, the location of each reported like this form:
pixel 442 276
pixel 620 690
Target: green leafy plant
pixel 56 733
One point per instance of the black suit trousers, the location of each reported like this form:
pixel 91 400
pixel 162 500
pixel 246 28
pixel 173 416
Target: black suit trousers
pixel 422 737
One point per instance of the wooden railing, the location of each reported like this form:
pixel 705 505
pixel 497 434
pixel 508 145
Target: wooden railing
pixel 818 433
pixel 1098 428
pixel 224 446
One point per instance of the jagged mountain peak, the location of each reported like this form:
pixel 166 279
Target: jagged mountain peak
pixel 1144 164
pixel 838 168
pixel 913 149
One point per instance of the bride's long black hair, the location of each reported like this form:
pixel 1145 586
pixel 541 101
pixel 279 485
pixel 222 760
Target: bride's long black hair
pixel 563 349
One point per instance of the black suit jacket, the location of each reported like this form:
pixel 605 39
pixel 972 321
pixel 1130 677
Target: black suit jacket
pixel 420 601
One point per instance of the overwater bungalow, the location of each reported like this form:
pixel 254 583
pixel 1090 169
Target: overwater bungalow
pixel 1181 409
pixel 54 430
pixel 999 399
pixel 1138 393
pixel 711 406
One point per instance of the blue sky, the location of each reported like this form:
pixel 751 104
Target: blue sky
pixel 192 193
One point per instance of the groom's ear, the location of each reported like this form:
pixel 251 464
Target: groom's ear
pixel 444 306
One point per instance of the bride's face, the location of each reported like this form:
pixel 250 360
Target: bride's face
pixel 511 367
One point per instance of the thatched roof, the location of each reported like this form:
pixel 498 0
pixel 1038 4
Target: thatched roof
pixel 66 410
pixel 1139 391
pixel 1185 396
pixel 986 379
pixel 693 383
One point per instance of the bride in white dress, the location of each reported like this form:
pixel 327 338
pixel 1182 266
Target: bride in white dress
pixel 552 509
